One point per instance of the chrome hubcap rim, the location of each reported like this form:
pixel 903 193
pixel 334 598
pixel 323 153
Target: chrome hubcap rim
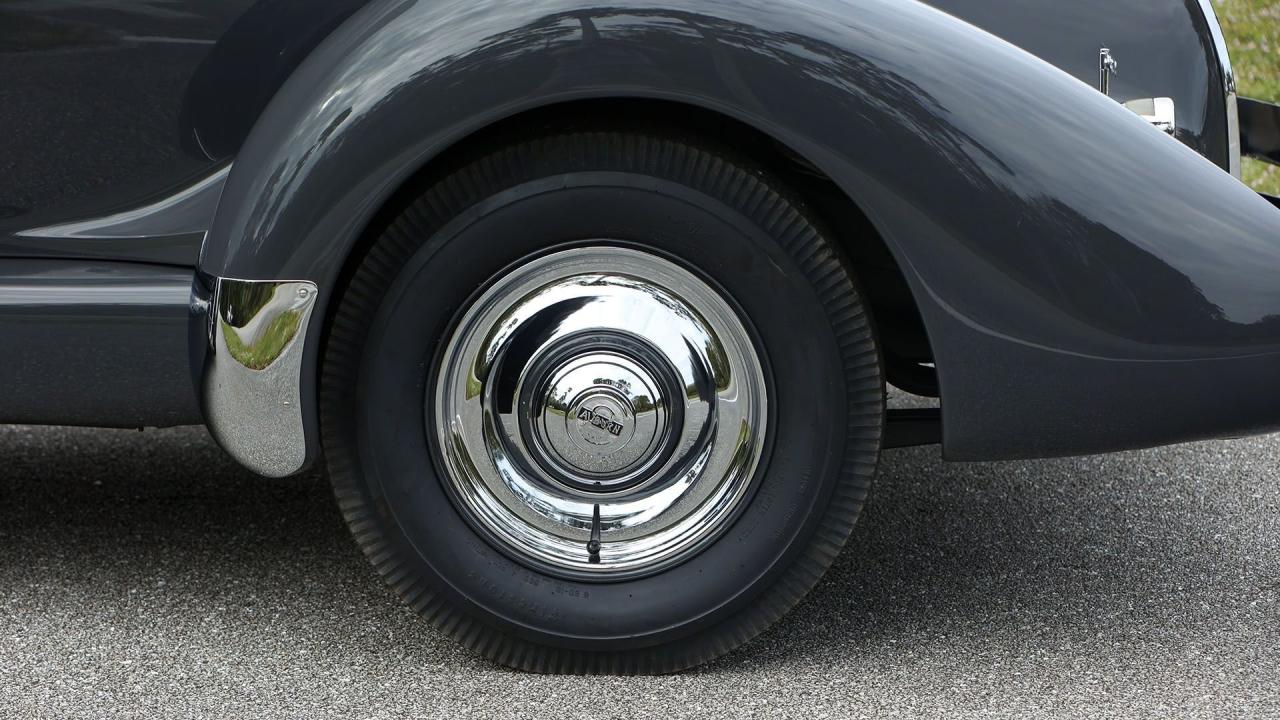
pixel 601 410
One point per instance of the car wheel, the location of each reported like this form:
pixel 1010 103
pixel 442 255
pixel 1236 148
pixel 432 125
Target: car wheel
pixel 601 401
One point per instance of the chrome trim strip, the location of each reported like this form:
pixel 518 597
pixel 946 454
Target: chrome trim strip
pixel 253 375
pixel 171 291
pixel 1228 84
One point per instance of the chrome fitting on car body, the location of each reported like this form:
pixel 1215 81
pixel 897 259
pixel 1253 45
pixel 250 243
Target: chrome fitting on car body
pixel 1228 79
pixel 252 382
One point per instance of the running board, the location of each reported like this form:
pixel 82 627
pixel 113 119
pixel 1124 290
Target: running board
pixel 95 343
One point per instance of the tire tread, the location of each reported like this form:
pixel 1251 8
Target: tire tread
pixel 697 163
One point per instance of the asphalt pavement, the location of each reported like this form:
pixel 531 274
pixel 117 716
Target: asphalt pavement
pixel 142 574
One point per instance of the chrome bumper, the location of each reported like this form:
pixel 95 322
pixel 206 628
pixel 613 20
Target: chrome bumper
pixel 252 389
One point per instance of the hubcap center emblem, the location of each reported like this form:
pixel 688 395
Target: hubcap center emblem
pixel 600 417
pixel 600 423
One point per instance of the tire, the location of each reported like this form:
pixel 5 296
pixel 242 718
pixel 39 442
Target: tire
pixel 660 235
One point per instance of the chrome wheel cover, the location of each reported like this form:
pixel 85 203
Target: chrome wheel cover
pixel 600 411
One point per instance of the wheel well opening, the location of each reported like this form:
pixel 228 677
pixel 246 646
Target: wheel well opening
pixel 903 339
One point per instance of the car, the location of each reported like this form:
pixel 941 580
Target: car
pixel 588 310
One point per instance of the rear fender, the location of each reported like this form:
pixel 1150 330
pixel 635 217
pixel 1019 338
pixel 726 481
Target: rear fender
pixel 1087 282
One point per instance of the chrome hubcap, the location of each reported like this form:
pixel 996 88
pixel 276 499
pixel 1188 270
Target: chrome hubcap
pixel 601 418
pixel 601 410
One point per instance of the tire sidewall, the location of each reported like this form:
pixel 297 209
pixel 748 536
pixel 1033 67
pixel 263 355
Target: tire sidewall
pixel 807 424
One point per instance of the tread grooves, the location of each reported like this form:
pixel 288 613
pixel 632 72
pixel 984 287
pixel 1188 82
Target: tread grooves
pixel 720 174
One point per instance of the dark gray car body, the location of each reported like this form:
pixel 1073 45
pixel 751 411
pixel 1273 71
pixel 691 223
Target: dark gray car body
pixel 1085 282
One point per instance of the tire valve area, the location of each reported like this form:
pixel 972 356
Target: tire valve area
pixel 593 545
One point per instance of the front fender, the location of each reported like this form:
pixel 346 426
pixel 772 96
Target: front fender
pixel 1087 283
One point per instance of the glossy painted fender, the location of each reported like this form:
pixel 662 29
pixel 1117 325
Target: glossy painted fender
pixel 1087 282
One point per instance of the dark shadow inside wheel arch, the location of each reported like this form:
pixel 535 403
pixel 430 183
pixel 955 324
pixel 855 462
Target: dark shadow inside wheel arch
pixel 904 340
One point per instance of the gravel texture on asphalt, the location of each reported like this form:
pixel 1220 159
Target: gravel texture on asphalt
pixel 142 574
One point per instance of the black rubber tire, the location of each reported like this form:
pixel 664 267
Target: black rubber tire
pixel 689 200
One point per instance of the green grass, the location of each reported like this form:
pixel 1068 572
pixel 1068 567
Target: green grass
pixel 1252 28
pixel 268 347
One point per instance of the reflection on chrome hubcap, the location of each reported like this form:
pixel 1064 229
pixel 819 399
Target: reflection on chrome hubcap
pixel 601 410
pixel 599 418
